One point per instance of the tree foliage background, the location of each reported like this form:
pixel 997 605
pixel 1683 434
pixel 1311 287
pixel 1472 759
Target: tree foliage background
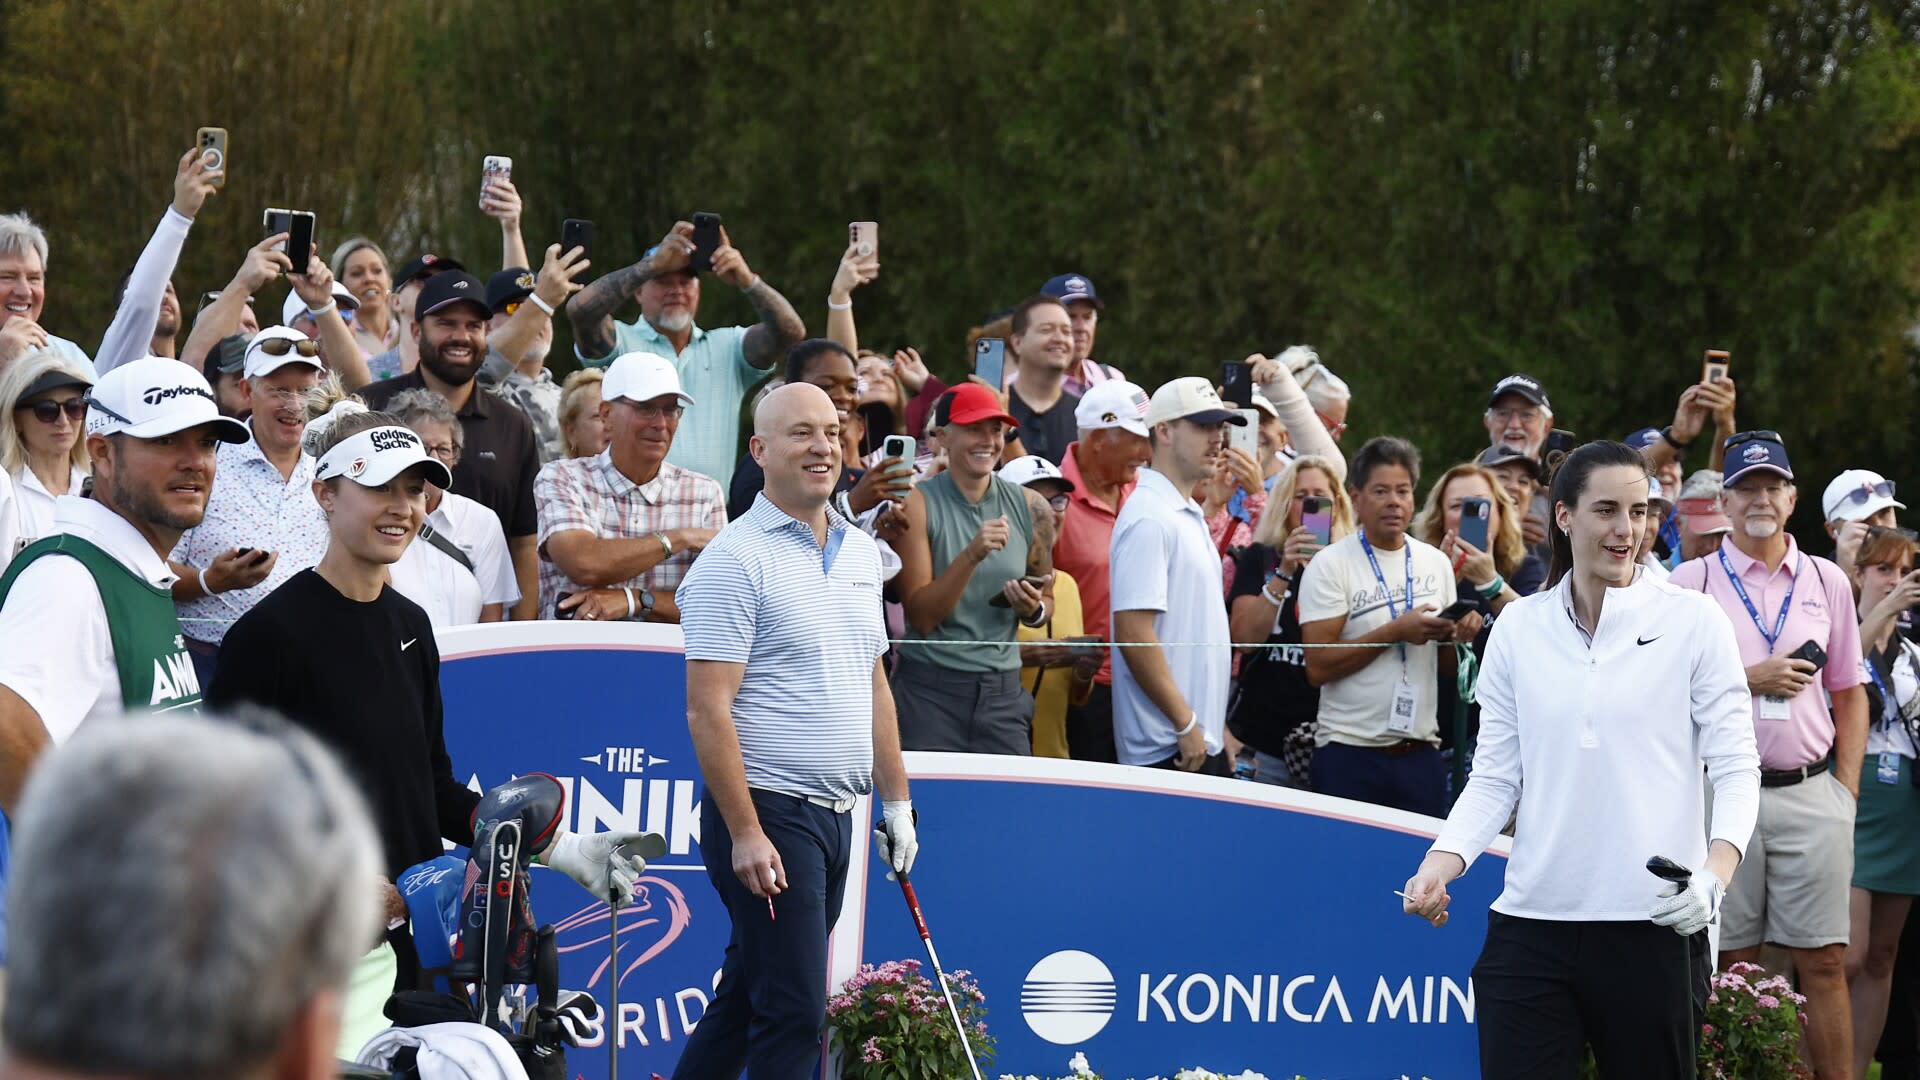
pixel 1433 195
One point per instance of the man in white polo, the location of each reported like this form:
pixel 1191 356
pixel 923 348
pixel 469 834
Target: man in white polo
pixel 1170 705
pixel 262 525
pixel 87 627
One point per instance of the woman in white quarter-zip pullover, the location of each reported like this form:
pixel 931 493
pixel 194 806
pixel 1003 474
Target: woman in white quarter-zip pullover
pixel 1605 697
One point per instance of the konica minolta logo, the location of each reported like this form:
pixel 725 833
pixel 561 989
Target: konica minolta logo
pixel 157 394
pixel 1068 997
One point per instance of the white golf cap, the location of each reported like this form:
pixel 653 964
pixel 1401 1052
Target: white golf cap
pixel 296 307
pixel 377 455
pixel 639 376
pixel 259 361
pixel 1190 398
pixel 1858 494
pixel 1261 403
pixel 1026 470
pixel 155 396
pixel 1115 403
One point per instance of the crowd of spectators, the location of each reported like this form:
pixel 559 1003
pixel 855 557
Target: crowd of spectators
pixel 1074 564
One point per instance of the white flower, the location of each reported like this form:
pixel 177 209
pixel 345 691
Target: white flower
pixel 1078 1065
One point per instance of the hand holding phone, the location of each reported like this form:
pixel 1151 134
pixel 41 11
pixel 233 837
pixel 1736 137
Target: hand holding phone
pixel 1236 384
pixel 577 233
pixel 493 167
pixel 864 236
pixel 706 241
pixel 1715 366
pixel 1476 516
pixel 1316 516
pixel 1458 610
pixel 212 142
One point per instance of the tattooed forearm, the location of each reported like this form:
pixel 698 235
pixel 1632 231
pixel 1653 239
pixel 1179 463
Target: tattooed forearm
pixel 779 326
pixel 591 309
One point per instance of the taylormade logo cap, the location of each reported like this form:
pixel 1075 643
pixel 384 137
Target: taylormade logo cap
pixel 155 396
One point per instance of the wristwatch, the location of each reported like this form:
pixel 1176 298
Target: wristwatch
pixel 646 603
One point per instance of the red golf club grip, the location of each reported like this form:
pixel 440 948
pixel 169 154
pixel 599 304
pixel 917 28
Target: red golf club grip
pixel 913 905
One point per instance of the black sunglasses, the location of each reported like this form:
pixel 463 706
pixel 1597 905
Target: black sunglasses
pixel 48 412
pixel 279 346
pixel 1739 437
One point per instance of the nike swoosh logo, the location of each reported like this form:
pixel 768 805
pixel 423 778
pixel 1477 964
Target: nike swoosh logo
pixel 408 644
pixel 1645 640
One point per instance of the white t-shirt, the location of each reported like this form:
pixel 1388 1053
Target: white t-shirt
pixel 1340 581
pixel 451 594
pixel 56 650
pixel 1885 738
pixel 1167 564
pixel 26 509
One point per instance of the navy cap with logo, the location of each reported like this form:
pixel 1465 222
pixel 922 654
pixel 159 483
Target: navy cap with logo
pixel 1755 451
pixel 424 266
pixel 1525 385
pixel 1643 438
pixel 1495 456
pixel 1067 288
pixel 442 290
pixel 509 286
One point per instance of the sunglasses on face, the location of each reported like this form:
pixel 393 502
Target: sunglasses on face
pixel 1060 502
pixel 48 412
pixel 1740 437
pixel 282 346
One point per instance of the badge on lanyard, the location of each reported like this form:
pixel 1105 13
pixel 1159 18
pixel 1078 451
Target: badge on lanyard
pixel 1405 699
pixel 1776 708
pixel 1889 772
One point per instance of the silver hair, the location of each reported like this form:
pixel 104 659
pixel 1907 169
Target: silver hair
pixel 181 889
pixel 18 233
pixel 1324 388
pixel 415 405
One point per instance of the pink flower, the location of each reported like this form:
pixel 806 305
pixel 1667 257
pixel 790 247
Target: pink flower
pixel 1768 1001
pixel 870 1050
pixel 888 999
pixel 1706 1029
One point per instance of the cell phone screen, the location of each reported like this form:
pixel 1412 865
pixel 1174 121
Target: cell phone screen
pixel 990 361
pixel 706 241
pixel 300 240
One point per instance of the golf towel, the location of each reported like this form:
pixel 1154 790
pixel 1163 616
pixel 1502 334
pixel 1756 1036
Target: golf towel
pixel 447 1052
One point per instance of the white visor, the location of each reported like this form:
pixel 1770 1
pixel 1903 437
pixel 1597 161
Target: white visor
pixel 377 455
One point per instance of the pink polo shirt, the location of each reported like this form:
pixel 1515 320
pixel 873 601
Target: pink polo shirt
pixel 1822 612
pixel 1081 551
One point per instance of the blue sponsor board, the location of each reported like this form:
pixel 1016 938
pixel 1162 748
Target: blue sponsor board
pixel 1150 920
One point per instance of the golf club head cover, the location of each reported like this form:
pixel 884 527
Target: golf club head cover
pixel 432 893
pixel 537 801
pixel 497 934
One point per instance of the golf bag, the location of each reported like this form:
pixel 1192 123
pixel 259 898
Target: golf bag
pixel 487 917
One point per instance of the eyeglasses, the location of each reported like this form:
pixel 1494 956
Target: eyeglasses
pixel 1060 502
pixel 1526 416
pixel 649 411
pixel 279 346
pixel 1740 437
pixel 1868 492
pixel 282 396
pixel 1334 431
pixel 445 452
pixel 48 412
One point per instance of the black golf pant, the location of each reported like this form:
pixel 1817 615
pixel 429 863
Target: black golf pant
pixel 771 1004
pixel 1635 991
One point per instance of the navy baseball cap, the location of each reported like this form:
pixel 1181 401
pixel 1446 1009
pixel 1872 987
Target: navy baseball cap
pixel 509 286
pixel 423 266
pixel 1067 288
pixel 456 287
pixel 1753 451
pixel 1643 438
pixel 1494 456
pixel 1525 385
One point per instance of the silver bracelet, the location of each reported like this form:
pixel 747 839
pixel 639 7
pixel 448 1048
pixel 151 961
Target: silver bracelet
pixel 664 543
pixel 534 298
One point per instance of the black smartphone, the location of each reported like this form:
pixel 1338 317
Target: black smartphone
pixel 1812 653
pixel 1458 610
pixel 577 233
pixel 241 553
pixel 1000 599
pixel 560 612
pixel 1236 384
pixel 1475 517
pixel 298 225
pixel 275 220
pixel 1559 443
pixel 706 241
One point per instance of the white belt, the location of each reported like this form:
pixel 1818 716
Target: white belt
pixel 838 806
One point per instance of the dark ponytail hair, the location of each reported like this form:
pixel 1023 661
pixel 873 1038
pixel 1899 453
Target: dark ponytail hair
pixel 1569 483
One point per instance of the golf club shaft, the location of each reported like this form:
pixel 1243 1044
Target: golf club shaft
pixel 953 1010
pixel 613 989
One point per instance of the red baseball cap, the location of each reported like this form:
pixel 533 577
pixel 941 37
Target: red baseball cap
pixel 970 403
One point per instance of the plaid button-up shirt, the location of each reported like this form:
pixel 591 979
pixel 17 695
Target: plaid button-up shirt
pixel 590 494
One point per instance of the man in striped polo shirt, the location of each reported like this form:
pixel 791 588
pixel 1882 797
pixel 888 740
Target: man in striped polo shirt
pixel 792 719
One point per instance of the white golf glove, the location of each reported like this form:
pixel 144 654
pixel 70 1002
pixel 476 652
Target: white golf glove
pixel 895 837
pixel 1690 908
pixel 607 862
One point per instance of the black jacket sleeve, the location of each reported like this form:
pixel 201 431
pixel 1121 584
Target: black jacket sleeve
pixel 453 800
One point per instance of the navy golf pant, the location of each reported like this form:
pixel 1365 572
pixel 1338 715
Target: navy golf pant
pixel 771 1004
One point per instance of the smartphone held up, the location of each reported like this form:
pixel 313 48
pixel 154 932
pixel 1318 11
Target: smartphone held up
pixel 493 167
pixel 1715 367
pixel 212 142
pixel 298 225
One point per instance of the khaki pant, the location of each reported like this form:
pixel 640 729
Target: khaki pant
pixel 1792 885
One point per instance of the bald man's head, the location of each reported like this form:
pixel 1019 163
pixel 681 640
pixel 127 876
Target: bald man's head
pixel 796 441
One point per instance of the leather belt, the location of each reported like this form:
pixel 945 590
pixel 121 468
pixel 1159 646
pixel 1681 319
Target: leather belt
pixel 838 806
pixel 1790 777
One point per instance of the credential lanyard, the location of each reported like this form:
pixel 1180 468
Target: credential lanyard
pixel 1786 604
pixel 1889 708
pixel 1367 546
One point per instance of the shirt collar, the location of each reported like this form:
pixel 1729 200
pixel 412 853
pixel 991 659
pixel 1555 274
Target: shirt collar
pixel 249 453
pixel 654 334
pixel 1070 468
pixel 1742 562
pixel 765 516
pixel 1159 484
pixel 620 483
pixel 28 480
pixel 93 522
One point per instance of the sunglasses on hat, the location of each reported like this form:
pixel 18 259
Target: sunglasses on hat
pixel 282 346
pixel 48 412
pixel 1865 493
pixel 1739 438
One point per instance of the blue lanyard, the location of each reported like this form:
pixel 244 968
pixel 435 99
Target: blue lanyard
pixel 1889 708
pixel 1367 546
pixel 1786 605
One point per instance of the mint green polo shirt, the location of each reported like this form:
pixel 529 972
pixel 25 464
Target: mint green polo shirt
pixel 715 374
